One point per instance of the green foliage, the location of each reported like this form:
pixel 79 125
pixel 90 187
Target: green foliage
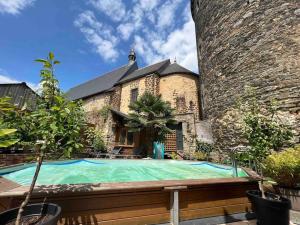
pixel 284 167
pixel 104 112
pixel 200 156
pixel 98 143
pixel 7 137
pixel 59 122
pixel 205 148
pixel 25 124
pixel 150 111
pixel 4 142
pixel 263 128
pixel 49 83
pixel 174 156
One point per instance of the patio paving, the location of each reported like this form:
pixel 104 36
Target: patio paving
pixel 295 220
pixel 295 217
pixel 252 222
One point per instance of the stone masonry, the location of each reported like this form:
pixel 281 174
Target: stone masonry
pixel 181 90
pixel 248 42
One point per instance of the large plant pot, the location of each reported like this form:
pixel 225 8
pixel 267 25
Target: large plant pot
pixel 293 194
pixel 272 210
pixel 50 209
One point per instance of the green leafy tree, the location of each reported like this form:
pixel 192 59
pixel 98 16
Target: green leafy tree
pixel 263 129
pixel 57 123
pixel 150 111
pixel 21 118
pixel 7 137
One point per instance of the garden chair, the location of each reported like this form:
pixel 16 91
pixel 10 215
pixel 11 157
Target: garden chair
pixel 114 152
pixel 137 154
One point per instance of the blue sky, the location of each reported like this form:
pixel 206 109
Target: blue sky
pixel 91 37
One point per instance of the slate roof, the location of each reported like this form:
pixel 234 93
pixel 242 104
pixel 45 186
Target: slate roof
pixel 101 83
pixel 157 67
pixel 124 74
pixel 176 68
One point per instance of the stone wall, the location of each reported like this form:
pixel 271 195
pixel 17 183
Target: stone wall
pixel 126 92
pixel 188 121
pixel 255 43
pixel 115 100
pixel 152 84
pixel 181 91
pixel 95 103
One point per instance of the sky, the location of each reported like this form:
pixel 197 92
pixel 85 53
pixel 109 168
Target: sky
pixel 92 37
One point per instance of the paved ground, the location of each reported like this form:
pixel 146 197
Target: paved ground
pixel 252 222
pixel 295 218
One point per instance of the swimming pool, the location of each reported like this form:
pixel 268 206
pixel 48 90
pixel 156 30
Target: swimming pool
pixel 114 171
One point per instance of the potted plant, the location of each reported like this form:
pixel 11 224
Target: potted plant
pixel 265 132
pixel 284 168
pixel 57 124
pixel 151 113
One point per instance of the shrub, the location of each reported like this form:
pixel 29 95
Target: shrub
pixel 284 167
pixel 205 148
pixel 174 156
pixel 98 143
pixel 200 156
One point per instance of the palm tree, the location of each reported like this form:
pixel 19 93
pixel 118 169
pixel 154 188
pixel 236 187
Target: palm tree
pixel 150 111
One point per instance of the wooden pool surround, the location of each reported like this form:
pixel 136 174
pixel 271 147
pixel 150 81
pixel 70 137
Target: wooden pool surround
pixel 150 202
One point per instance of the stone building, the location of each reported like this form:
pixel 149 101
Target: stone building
pixel 247 42
pixel 118 88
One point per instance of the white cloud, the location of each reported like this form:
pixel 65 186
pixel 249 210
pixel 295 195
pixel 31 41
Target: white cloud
pixel 159 29
pixel 14 6
pixel 166 13
pixel 181 43
pixel 98 34
pixel 126 30
pixel 115 9
pixel 148 4
pixel 4 79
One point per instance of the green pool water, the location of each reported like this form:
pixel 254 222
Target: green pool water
pixel 108 171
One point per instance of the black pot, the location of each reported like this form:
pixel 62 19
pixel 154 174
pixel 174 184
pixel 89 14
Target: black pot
pixel 33 210
pixel 272 210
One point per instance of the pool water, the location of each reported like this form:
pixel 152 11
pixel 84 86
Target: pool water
pixel 111 171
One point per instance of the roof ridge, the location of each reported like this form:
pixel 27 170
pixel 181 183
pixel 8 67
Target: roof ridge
pixel 176 68
pixel 152 64
pixel 156 67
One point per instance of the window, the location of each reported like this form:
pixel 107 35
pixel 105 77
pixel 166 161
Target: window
pixel 129 138
pixel 125 137
pixel 122 139
pixel 134 95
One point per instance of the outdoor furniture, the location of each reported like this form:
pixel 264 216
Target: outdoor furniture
pixel 114 152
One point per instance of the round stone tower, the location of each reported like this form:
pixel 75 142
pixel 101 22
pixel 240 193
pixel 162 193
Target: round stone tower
pixel 247 42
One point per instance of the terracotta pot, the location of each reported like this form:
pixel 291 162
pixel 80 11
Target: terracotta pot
pixel 292 194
